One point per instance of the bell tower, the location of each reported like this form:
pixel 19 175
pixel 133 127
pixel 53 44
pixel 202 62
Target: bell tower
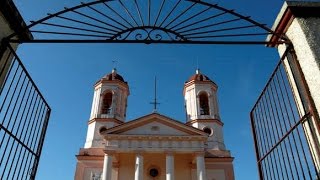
pixel 201 103
pixel 108 106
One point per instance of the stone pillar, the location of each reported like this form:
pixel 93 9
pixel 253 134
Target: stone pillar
pixel 6 59
pixel 138 172
pixel 10 22
pixel 300 22
pixel 201 169
pixel 107 166
pixel 169 166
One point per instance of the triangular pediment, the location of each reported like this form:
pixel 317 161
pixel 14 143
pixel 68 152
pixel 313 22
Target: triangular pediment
pixel 155 124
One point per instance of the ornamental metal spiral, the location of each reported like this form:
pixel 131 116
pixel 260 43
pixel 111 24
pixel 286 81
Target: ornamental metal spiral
pixel 148 34
pixel 148 21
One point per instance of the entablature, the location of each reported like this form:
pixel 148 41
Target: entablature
pixel 128 143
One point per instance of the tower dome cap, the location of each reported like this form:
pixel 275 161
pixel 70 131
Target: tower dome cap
pixel 199 77
pixel 114 76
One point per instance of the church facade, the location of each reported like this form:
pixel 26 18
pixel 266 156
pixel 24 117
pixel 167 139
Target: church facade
pixel 154 147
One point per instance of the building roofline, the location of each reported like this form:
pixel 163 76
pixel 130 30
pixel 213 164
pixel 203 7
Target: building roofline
pixel 149 116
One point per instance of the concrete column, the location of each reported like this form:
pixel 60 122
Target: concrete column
pixel 138 173
pixel 169 166
pixel 107 166
pixel 201 169
pixel 300 22
pixel 10 22
pixel 6 59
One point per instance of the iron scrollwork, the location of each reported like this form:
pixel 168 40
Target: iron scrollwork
pixel 148 34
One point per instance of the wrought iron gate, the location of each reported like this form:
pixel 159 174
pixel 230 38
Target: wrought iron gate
pixel 24 116
pixel 284 125
pixel 282 122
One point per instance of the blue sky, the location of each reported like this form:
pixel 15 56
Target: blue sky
pixel 65 74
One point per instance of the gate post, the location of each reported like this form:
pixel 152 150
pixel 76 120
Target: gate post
pixel 300 23
pixel 10 22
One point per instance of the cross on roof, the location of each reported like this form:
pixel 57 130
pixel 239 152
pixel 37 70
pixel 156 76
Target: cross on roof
pixel 155 102
pixel 114 63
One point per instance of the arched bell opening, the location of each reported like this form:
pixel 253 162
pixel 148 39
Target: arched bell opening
pixel 204 103
pixel 106 105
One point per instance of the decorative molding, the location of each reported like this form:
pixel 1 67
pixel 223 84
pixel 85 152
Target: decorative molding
pixel 139 152
pixel 218 159
pixel 205 120
pixel 134 145
pixel 114 82
pixel 152 118
pixel 89 157
pixel 105 120
pixel 192 82
pixel 109 152
pixel 169 152
pixel 154 137
pixel 199 153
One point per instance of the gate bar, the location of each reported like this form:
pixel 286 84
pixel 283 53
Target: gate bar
pixel 27 74
pixel 142 41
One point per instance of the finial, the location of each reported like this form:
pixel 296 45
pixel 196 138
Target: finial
pixel 197 62
pixel 197 70
pixel 114 69
pixel 155 103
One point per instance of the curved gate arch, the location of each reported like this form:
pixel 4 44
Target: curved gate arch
pixel 149 21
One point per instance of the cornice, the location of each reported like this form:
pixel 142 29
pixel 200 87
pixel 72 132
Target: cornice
pixel 154 117
pixel 155 137
pixel 218 159
pixel 114 82
pixel 89 157
pixel 105 120
pixel 205 120
pixel 193 82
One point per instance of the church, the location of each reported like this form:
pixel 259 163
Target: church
pixel 154 146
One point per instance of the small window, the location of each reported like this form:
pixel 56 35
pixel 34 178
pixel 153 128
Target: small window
pixel 102 129
pixel 153 172
pixel 208 130
pixel 155 128
pixel 204 104
pixel 106 103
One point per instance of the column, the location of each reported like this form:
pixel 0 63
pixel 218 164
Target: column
pixel 107 166
pixel 138 173
pixel 201 169
pixel 6 59
pixel 169 166
pixel 303 63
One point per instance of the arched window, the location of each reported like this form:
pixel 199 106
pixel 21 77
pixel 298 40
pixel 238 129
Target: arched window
pixel 204 103
pixel 106 103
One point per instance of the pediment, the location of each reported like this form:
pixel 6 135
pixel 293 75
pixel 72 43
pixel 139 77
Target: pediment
pixel 155 124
